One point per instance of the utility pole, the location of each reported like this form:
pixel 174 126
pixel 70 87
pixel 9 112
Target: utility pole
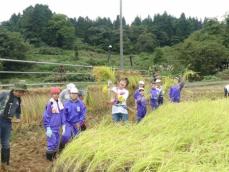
pixel 121 39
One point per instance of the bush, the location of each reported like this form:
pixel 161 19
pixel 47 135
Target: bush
pixel 50 51
pixel 211 78
pixel 223 75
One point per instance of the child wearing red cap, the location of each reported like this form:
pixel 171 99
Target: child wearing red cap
pixel 53 119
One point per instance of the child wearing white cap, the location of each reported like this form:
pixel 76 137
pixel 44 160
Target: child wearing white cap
pixel 161 93
pixel 65 94
pixel 141 84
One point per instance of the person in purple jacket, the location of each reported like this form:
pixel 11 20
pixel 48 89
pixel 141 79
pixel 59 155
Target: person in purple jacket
pixel 154 94
pixel 53 119
pixel 175 90
pixel 141 105
pixel 141 84
pixel 75 113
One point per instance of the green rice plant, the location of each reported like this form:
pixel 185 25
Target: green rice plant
pixel 190 136
pixel 167 82
pixel 189 75
pixel 103 73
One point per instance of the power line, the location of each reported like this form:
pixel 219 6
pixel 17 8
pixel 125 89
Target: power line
pixel 22 72
pixel 49 83
pixel 50 63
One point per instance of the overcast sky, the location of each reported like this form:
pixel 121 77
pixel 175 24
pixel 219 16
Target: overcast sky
pixel 131 8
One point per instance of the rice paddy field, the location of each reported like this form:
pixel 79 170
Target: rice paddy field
pixel 190 136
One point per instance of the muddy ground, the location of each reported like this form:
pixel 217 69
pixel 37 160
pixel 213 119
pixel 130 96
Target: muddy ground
pixel 28 151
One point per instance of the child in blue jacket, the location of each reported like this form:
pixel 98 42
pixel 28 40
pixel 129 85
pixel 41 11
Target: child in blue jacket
pixel 175 91
pixel 53 119
pixel 75 114
pixel 141 105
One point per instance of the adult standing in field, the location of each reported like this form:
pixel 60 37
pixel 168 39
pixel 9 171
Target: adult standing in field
pixel 226 90
pixel 10 107
pixel 119 106
pixel 75 114
pixel 175 90
pixel 53 119
pixel 65 94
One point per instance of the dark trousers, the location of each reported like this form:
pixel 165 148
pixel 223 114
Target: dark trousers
pixel 226 92
pixel 120 117
pixel 5 132
pixel 160 100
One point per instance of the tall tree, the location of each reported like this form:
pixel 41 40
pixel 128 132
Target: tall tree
pixel 137 21
pixel 34 22
pixel 60 32
pixel 12 46
pixel 146 42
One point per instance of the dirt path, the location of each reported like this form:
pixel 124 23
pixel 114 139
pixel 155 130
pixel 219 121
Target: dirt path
pixel 28 148
pixel 28 151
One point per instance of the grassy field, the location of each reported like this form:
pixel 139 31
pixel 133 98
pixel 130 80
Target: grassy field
pixel 190 136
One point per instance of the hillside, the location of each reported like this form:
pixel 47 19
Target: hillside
pixel 87 57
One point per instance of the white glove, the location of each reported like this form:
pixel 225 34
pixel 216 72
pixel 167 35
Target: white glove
pixel 63 129
pixel 49 132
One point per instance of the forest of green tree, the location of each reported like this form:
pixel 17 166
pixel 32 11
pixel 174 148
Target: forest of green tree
pixel 184 42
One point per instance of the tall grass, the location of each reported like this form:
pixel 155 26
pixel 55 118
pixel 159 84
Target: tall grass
pixel 33 106
pixel 103 73
pixel 190 136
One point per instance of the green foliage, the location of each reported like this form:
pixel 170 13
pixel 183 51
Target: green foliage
pixel 76 52
pixel 178 137
pixel 40 26
pixel 204 57
pixel 60 32
pixel 146 42
pixel 50 51
pixel 214 78
pixel 190 75
pixel 33 23
pixel 224 75
pixel 12 46
pixel 102 73
pixel 158 56
pixel 204 51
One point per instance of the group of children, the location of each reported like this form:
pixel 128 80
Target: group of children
pixel 156 96
pixel 119 105
pixel 69 112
